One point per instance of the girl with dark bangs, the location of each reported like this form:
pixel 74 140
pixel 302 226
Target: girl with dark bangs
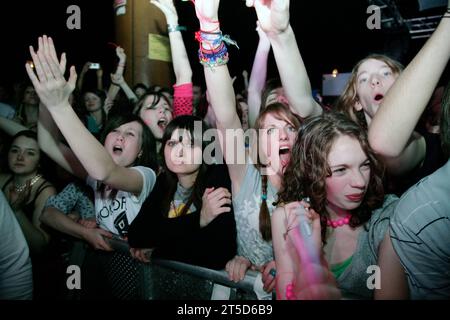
pixel 333 165
pixel 188 217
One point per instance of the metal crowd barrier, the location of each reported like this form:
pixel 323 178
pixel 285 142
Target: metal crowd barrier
pixel 172 280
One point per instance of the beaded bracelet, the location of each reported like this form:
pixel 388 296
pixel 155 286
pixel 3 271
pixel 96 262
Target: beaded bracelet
pixel 213 51
pixel 215 59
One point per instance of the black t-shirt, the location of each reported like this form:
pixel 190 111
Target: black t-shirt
pixel 181 238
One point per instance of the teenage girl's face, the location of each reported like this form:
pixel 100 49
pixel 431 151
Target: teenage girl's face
pixel 277 95
pixel 156 117
pixel 92 102
pixel 374 79
pixel 124 143
pixel 181 155
pixel 24 156
pixel 350 174
pixel 30 96
pixel 276 140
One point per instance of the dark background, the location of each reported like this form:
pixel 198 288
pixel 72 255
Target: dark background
pixel 330 34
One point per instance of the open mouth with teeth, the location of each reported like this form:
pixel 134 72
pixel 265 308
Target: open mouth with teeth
pixel 285 156
pixel 162 123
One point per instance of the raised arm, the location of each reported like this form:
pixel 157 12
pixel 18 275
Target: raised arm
pixel 214 57
pixel 258 77
pixel 99 74
pixel 48 138
pixel 83 72
pixel 117 80
pixel 302 271
pixel 218 80
pixel 273 16
pixel 183 94
pixel 54 92
pixel 11 127
pixel 391 129
pixel 180 60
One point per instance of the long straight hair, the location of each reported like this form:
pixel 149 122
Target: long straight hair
pixel 170 179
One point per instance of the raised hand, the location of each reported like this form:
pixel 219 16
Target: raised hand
pixel 214 203
pixel 311 221
pixel 86 67
pixel 208 14
pixel 168 8
pixel 314 280
pixel 107 106
pixel 117 79
pixel 120 52
pixel 273 15
pixel 50 84
pixel 261 34
pixel 99 72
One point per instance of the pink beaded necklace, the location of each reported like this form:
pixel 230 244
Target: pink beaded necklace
pixel 339 222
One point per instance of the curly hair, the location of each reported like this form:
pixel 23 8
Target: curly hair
pixel 349 97
pixel 308 169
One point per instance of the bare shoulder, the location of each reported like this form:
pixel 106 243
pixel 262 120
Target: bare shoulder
pixel 47 190
pixel 279 216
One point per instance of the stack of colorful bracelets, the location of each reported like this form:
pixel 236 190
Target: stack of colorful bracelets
pixel 213 51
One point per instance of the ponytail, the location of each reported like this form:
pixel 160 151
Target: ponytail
pixel 264 216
